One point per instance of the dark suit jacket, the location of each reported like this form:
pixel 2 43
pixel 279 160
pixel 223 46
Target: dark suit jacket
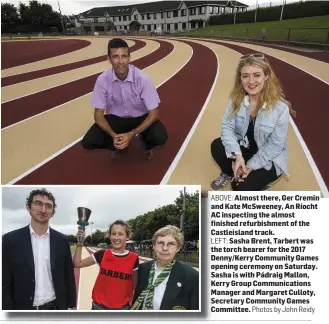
pixel 182 287
pixel 18 272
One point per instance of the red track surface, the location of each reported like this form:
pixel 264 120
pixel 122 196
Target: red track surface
pixel 19 53
pixel 25 107
pixel 312 115
pixel 14 79
pixel 182 99
pixel 320 56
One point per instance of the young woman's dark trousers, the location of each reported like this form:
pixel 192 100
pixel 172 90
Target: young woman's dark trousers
pixel 256 180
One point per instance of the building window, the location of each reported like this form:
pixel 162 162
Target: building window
pixel 120 27
pixel 168 14
pixel 176 26
pixel 154 16
pixel 129 18
pixel 135 17
pixel 216 10
pixel 154 27
pixel 168 26
pixel 120 18
pixel 183 12
pixel 124 18
pixel 162 15
pixel 148 16
pixel 184 25
pixel 95 20
pixel 142 17
pixel 192 11
pixel 175 13
pixel 149 27
pixel 125 28
pixel 203 10
pixel 114 19
pixel 211 10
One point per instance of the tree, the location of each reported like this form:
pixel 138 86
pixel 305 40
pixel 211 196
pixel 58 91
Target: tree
pixel 72 239
pixel 9 14
pixel 144 226
pixel 39 14
pixel 191 229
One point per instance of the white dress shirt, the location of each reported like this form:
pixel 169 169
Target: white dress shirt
pixel 44 288
pixel 159 290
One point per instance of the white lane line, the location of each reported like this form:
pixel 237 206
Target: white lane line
pixel 192 130
pixel 307 152
pixel 61 84
pixel 281 59
pixel 46 111
pixel 311 161
pixel 51 68
pixel 65 103
pixel 79 139
pixel 57 85
pixel 58 56
pixel 44 162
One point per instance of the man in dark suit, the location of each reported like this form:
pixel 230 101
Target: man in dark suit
pixel 37 268
pixel 182 290
pixel 166 284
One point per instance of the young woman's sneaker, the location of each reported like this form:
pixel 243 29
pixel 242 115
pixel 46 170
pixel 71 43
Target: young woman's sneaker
pixel 221 182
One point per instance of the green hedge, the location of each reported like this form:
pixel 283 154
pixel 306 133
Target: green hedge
pixel 291 11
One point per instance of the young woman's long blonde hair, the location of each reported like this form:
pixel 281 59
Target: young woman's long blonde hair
pixel 271 93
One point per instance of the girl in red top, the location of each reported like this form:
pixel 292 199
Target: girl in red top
pixel 114 285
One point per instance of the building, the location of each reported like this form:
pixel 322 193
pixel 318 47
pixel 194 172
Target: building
pixel 168 16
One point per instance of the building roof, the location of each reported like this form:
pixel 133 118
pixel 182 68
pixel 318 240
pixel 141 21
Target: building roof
pixel 215 3
pixel 151 7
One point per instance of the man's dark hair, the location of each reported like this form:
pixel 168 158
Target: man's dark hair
pixel 123 224
pixel 116 43
pixel 41 192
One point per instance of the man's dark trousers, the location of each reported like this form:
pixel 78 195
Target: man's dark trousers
pixel 96 138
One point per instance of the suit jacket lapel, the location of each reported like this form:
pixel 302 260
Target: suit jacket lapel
pixel 52 242
pixel 145 277
pixel 174 285
pixel 27 246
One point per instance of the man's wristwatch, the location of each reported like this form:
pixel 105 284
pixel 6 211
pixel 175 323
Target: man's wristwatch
pixel 135 133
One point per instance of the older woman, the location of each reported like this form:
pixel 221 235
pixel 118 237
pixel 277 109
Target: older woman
pixel 252 152
pixel 166 284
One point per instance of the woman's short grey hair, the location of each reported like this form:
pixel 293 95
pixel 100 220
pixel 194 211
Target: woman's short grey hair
pixel 169 230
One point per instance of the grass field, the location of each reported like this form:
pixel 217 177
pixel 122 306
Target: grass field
pixel 275 30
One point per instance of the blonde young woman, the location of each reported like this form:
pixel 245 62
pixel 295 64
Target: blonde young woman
pixel 165 283
pixel 251 151
pixel 114 285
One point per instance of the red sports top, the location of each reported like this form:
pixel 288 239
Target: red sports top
pixel 114 284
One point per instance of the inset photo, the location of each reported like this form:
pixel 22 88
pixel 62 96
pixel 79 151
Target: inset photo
pixel 104 248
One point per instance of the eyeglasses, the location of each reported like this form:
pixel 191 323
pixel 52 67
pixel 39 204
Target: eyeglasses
pixel 259 56
pixel 40 204
pixel 170 245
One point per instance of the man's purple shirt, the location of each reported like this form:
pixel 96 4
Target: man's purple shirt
pixel 133 97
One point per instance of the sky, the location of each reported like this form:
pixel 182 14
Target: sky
pixel 69 7
pixel 107 204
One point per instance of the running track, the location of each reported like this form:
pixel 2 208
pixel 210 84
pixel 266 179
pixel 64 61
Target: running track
pixel 182 98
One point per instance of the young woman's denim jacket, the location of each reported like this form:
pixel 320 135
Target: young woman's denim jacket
pixel 270 132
